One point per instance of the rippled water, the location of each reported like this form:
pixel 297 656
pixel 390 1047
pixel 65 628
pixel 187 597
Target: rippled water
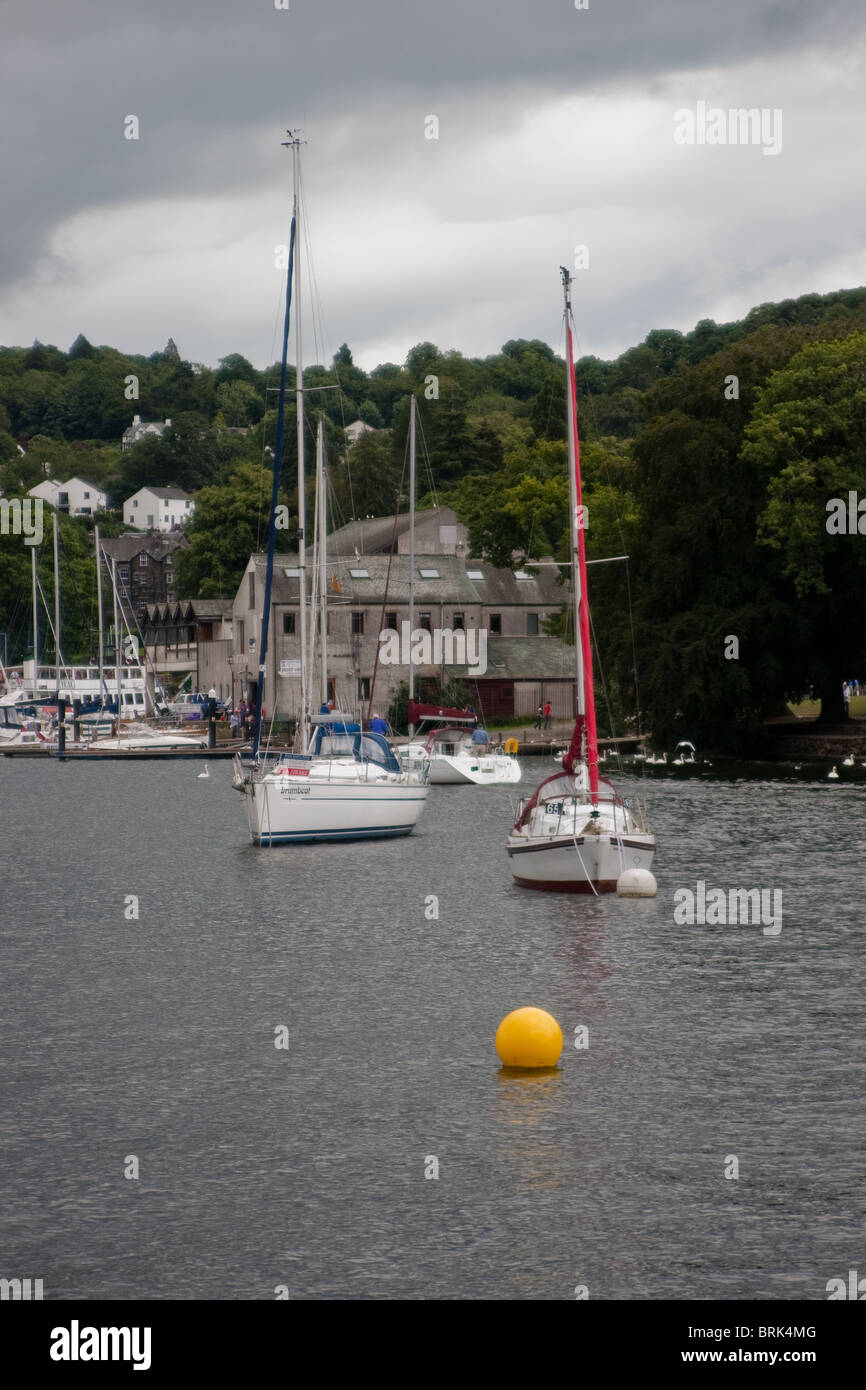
pixel 259 1167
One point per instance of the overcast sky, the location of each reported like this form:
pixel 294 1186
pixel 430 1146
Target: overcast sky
pixel 556 129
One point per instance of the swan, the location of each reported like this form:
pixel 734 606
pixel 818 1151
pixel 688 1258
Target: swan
pixel 849 761
pixel 833 775
pixel 206 772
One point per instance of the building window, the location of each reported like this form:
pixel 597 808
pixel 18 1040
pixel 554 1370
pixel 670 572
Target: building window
pixel 150 520
pixel 459 624
pixel 357 624
pixel 135 501
pixel 363 687
pixel 123 571
pixel 86 494
pixel 142 562
pixel 360 574
pixel 429 574
pixel 391 621
pixel 288 624
pixel 424 622
pixel 252 579
pixel 169 560
pixel 532 624
pixel 494 623
pixel 241 637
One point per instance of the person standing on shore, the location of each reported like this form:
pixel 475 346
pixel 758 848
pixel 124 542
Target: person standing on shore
pixel 539 717
pixel 547 715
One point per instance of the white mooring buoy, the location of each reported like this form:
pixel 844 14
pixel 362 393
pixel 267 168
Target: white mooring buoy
pixel 636 883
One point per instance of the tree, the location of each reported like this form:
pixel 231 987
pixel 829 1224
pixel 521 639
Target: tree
pixel 230 523
pixel 807 438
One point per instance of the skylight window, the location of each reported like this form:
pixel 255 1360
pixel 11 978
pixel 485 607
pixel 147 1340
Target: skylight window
pixel 293 573
pixel 474 574
pixel 429 574
pixel 360 574
pixel 521 574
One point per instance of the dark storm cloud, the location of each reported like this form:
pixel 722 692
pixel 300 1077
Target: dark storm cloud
pixel 205 76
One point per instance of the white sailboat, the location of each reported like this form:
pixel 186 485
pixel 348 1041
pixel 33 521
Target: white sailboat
pixel 455 760
pixel 346 784
pixel 575 834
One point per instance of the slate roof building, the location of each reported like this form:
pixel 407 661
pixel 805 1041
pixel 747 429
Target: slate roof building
pixel 494 618
pixel 145 568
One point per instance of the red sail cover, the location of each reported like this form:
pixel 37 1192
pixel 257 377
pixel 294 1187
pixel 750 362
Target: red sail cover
pixel 453 716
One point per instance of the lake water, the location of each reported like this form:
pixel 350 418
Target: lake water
pixel 154 1040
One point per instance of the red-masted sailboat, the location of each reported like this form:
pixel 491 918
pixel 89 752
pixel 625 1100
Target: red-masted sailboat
pixel 576 834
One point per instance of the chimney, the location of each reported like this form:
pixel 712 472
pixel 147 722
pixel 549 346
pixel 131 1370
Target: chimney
pixel 136 419
pixel 168 422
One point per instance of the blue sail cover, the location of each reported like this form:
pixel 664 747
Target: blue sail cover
pixel 344 740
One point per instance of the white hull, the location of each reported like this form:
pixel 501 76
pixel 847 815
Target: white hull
pixel 330 799
pixel 564 848
pixel 144 739
pixel 465 766
pixel 488 770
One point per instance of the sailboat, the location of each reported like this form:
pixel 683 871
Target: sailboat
pixel 575 834
pixel 344 783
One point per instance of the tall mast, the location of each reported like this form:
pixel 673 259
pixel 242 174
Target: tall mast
pixel 116 637
pixel 299 399
pixel 411 550
pixel 586 694
pixel 99 608
pixel 322 526
pixel 56 605
pixel 292 142
pixel 35 621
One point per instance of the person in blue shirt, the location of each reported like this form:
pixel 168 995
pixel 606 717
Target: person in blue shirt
pixel 377 725
pixel 481 738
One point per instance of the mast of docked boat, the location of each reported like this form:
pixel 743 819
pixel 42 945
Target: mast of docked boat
pixel 292 144
pixel 322 529
pixel 583 650
pixel 35 620
pixel 295 143
pixel 116 637
pixel 412 408
pixel 56 606
pixel 99 611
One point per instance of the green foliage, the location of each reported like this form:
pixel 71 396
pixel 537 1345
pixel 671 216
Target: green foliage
pixel 230 522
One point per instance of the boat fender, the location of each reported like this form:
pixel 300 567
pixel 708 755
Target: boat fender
pixel 511 746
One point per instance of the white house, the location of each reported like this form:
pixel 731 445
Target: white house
pixel 355 430
pixel 158 508
pixel 77 497
pixel 139 429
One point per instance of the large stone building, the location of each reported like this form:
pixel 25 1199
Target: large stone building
pixel 480 624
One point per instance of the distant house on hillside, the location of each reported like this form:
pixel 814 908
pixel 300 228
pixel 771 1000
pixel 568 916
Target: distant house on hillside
pixel 140 429
pixel 77 497
pixel 355 430
pixel 145 568
pixel 158 508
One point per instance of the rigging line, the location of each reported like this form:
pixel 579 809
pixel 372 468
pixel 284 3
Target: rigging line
pixel 610 721
pixel 426 455
pixel 633 651
pixel 582 865
pixel 388 576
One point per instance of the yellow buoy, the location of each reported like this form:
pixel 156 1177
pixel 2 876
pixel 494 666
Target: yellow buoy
pixel 511 746
pixel 529 1038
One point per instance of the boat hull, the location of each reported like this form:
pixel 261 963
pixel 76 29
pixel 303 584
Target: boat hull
pixel 491 770
pixel 578 864
pixel 279 811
